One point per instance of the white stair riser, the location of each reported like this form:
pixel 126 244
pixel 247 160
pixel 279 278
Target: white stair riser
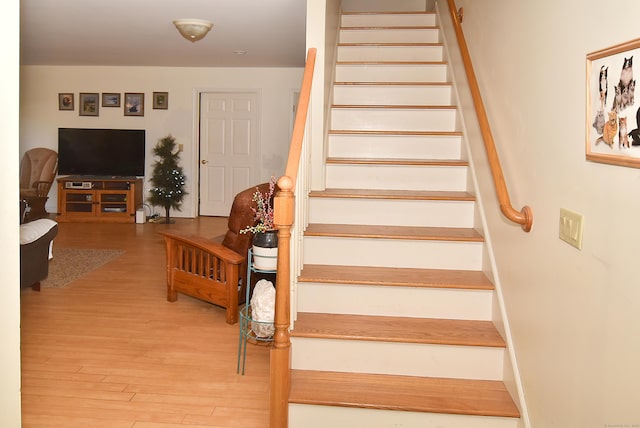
pixel 412 359
pixel 389 20
pixel 412 35
pixel 391 73
pixel 400 253
pixel 310 416
pixel 390 53
pixel 448 178
pixel 394 119
pixel 395 146
pixel 415 302
pixel 436 95
pixel 391 212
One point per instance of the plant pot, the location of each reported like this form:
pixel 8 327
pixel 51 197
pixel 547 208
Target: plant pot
pixel 265 250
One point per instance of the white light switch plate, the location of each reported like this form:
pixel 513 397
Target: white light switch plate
pixel 571 227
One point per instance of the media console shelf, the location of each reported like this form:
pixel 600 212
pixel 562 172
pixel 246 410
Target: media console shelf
pixel 98 199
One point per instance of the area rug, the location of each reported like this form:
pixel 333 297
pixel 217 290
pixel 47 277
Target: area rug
pixel 69 264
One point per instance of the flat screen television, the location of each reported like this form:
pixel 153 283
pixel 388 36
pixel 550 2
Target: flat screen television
pixel 101 152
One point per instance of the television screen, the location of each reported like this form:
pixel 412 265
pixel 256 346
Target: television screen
pixel 103 152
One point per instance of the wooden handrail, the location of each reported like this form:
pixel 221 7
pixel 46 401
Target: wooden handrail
pixel 284 204
pixel 525 216
pixel 295 149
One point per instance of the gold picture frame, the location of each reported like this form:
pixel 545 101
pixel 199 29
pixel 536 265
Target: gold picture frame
pixel 613 112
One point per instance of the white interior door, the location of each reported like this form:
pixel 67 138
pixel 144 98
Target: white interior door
pixel 228 148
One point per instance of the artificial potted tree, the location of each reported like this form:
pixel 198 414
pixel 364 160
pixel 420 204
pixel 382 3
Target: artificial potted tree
pixel 168 179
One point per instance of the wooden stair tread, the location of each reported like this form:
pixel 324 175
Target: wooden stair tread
pixel 406 393
pixel 398 133
pixel 393 106
pixel 396 161
pixel 403 12
pixel 431 195
pixel 393 27
pixel 402 277
pixel 394 232
pixel 392 44
pixel 397 329
pixel 392 83
pixel 369 62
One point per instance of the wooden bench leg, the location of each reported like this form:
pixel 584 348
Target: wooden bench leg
pixel 232 314
pixel 172 295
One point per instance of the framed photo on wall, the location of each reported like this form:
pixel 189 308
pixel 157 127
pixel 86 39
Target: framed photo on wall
pixel 65 101
pixel 613 112
pixel 89 104
pixel 110 99
pixel 134 104
pixel 161 100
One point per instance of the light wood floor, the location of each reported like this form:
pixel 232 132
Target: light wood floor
pixel 108 350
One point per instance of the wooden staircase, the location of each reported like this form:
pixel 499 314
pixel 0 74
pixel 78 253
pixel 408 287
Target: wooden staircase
pixel 394 320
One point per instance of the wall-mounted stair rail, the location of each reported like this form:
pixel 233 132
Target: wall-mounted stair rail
pixel 285 204
pixel 523 217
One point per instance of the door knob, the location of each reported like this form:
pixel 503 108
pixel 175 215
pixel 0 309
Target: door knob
pixel 204 161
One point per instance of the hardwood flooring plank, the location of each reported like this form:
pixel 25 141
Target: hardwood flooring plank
pixel 108 350
pixel 71 389
pixel 74 410
pixel 59 421
pixel 227 417
pixel 28 382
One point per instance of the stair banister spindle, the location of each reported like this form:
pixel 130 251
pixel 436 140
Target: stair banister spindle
pixel 525 216
pixel 284 205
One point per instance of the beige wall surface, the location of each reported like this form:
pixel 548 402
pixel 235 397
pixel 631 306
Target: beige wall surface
pixel 573 314
pixel 40 117
pixel 9 219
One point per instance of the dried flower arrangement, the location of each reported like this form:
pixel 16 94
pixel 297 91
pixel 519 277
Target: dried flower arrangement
pixel 263 211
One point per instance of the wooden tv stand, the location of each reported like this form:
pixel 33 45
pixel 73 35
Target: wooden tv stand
pixel 98 199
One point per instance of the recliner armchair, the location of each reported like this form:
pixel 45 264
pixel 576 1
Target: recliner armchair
pixel 210 269
pixel 38 169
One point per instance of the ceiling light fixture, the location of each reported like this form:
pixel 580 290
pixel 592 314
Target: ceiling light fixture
pixel 193 29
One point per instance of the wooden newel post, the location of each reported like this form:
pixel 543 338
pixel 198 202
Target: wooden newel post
pixel 280 374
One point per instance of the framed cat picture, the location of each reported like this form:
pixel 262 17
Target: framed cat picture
pixel 613 112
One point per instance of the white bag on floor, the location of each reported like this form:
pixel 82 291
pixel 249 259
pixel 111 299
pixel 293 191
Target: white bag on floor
pixel 263 308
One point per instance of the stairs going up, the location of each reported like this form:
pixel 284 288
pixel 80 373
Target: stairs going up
pixel 394 314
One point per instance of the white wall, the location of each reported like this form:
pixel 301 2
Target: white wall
pixel 321 21
pixel 40 117
pixel 573 314
pixel 9 219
